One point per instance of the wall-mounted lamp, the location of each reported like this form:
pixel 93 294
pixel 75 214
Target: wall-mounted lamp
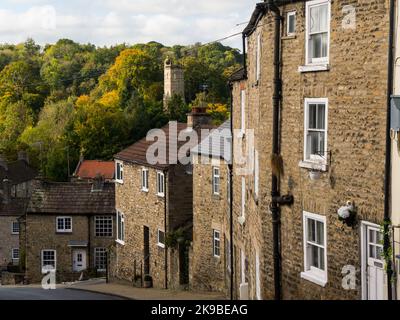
pixel 347 214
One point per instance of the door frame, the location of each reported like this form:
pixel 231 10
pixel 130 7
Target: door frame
pixel 364 257
pixel 73 259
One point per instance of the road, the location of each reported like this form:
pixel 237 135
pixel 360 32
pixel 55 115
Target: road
pixel 37 293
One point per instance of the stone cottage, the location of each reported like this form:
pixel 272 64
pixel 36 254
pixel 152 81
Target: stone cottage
pixel 210 256
pixel 154 205
pixel 68 228
pixel 17 180
pixel 314 96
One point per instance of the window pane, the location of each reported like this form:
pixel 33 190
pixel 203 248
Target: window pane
pixel 319 18
pixel 312 116
pixel 320 233
pixel 321 253
pixel 311 230
pixel 314 256
pixel 291 23
pixel 321 117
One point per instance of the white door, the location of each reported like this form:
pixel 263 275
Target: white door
pixel 375 264
pixel 79 260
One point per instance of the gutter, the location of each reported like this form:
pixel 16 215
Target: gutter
pixel 388 158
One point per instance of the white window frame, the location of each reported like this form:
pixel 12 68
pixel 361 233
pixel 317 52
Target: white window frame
pixel 160 186
pixel 98 231
pixel 145 179
pixel 288 16
pixel 98 251
pixel 120 230
pixel 242 112
pixel 216 180
pixel 256 173
pixel 13 229
pixel 119 178
pixel 258 58
pixel 315 159
pixel 13 251
pixel 63 230
pixel 159 243
pixel 315 275
pixel 46 270
pixel 309 60
pixel 216 239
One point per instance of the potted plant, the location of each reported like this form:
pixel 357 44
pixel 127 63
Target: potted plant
pixel 148 281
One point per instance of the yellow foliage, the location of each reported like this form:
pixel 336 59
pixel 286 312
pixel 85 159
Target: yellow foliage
pixel 82 101
pixel 110 98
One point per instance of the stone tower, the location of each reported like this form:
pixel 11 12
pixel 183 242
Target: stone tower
pixel 174 82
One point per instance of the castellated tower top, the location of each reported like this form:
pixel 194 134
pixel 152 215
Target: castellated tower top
pixel 174 82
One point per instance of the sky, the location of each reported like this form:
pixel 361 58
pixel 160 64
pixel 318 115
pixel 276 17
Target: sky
pixel 109 22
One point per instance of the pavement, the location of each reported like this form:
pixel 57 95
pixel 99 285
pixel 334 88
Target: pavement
pixel 35 292
pixel 129 292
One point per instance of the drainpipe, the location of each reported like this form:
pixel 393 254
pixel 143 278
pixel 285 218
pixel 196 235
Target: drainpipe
pixel 387 222
pixel 165 230
pixel 276 198
pixel 230 168
pixel 244 56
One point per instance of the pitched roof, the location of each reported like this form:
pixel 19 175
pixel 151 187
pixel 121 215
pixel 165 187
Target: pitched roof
pixel 238 75
pixel 217 144
pixel 137 153
pixel 72 198
pixel 16 207
pixel 89 169
pixel 258 13
pixel 18 171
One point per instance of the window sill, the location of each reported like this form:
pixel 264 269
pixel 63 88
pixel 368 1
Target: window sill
pixel 160 195
pixel 119 181
pixel 160 245
pixel 289 37
pixel 314 68
pixel 241 220
pixel 122 243
pixel 313 166
pixel 216 196
pixel 63 232
pixel 313 278
pixel 145 190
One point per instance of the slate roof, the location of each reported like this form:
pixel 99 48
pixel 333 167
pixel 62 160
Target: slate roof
pixel 137 153
pixel 72 198
pixel 238 75
pixel 217 144
pixel 18 171
pixel 89 169
pixel 16 207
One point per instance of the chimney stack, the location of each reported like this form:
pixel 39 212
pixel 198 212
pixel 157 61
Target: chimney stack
pixel 199 116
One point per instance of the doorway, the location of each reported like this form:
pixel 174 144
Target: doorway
pixel 373 265
pixel 79 260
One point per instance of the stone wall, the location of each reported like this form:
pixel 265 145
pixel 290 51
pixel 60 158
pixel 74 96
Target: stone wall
pixel 8 241
pixel 356 88
pixel 210 212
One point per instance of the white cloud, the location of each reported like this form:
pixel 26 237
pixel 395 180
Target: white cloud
pixel 107 22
